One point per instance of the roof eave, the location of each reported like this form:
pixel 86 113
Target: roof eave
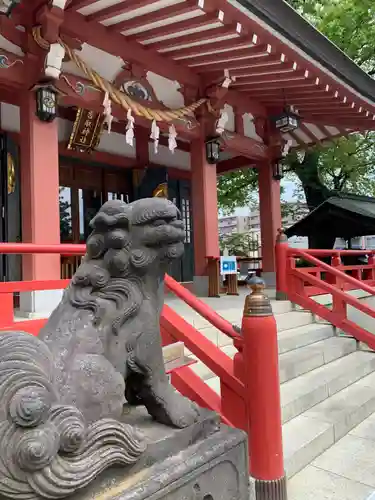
pixel 285 20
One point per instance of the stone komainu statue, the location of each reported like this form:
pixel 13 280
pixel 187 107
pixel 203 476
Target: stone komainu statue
pixel 62 393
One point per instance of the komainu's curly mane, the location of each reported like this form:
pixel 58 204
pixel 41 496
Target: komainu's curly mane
pixel 116 262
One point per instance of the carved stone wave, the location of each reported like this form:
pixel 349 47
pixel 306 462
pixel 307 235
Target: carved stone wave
pixel 46 449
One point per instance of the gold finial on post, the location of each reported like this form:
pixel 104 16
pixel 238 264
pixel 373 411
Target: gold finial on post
pixel 281 236
pixel 257 303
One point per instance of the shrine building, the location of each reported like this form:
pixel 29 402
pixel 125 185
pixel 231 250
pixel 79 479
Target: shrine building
pixel 122 99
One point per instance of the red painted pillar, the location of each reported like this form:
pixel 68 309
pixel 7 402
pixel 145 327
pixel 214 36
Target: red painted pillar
pixel 39 197
pixel 281 266
pixel 205 214
pixel 270 220
pixel 39 190
pixel 260 374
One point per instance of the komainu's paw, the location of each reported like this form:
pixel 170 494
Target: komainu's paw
pixel 170 408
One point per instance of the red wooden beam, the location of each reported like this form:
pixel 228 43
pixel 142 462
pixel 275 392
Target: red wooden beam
pixel 95 34
pixel 223 167
pixel 248 75
pixel 117 9
pixel 289 94
pixel 264 72
pixel 120 128
pixel 110 159
pixel 246 146
pixel 262 85
pixel 337 111
pixel 309 134
pixel 260 64
pixel 153 17
pixel 12 72
pixel 176 28
pixel 256 55
pixel 93 99
pixel 243 103
pixel 202 37
pixel 251 24
pixel 98 156
pixel 340 122
pixel 215 48
pixel 79 4
pixel 10 32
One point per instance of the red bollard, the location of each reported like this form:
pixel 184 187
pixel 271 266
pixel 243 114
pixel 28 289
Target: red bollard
pixel 281 253
pixel 262 393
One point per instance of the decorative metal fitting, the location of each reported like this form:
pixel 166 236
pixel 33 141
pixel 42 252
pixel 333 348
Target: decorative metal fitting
pixel 257 303
pixel 236 328
pixel 281 236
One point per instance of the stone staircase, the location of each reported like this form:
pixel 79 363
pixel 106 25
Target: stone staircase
pixel 327 382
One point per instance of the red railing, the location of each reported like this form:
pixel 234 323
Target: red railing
pixel 249 398
pixel 300 284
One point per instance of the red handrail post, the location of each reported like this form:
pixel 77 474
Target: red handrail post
pixel 281 252
pixel 233 404
pixel 370 274
pixel 335 262
pixel 262 393
pixel 6 309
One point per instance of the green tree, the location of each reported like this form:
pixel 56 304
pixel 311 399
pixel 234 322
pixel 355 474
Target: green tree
pixel 239 244
pixel 345 164
pixel 65 217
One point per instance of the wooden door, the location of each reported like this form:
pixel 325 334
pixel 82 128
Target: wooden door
pixel 10 206
pixel 187 218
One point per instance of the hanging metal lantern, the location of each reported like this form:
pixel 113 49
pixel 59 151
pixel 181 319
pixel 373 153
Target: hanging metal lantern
pixel 213 150
pixel 278 172
pixel 7 6
pixel 46 102
pixel 287 121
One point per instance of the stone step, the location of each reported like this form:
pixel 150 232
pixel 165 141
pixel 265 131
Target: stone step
pixel 286 321
pixel 234 315
pixel 310 434
pixel 296 362
pixel 302 393
pixel 303 336
pixel 288 324
pixel 305 359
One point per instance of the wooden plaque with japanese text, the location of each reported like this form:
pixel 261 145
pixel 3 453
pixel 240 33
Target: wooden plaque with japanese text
pixel 87 130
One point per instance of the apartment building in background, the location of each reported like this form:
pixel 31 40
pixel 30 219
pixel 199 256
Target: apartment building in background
pixel 251 223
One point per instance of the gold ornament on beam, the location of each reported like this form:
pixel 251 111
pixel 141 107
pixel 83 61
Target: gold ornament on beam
pixel 11 174
pixel 161 191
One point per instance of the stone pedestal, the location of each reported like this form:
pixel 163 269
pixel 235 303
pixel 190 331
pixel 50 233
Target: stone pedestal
pixel 206 461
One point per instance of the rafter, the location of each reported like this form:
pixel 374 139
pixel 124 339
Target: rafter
pixel 176 28
pixel 262 85
pixel 340 121
pixel 258 55
pixel 116 44
pixel 117 9
pixel 202 38
pixel 78 4
pixel 308 133
pixel 216 47
pixel 154 17
pixel 250 72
